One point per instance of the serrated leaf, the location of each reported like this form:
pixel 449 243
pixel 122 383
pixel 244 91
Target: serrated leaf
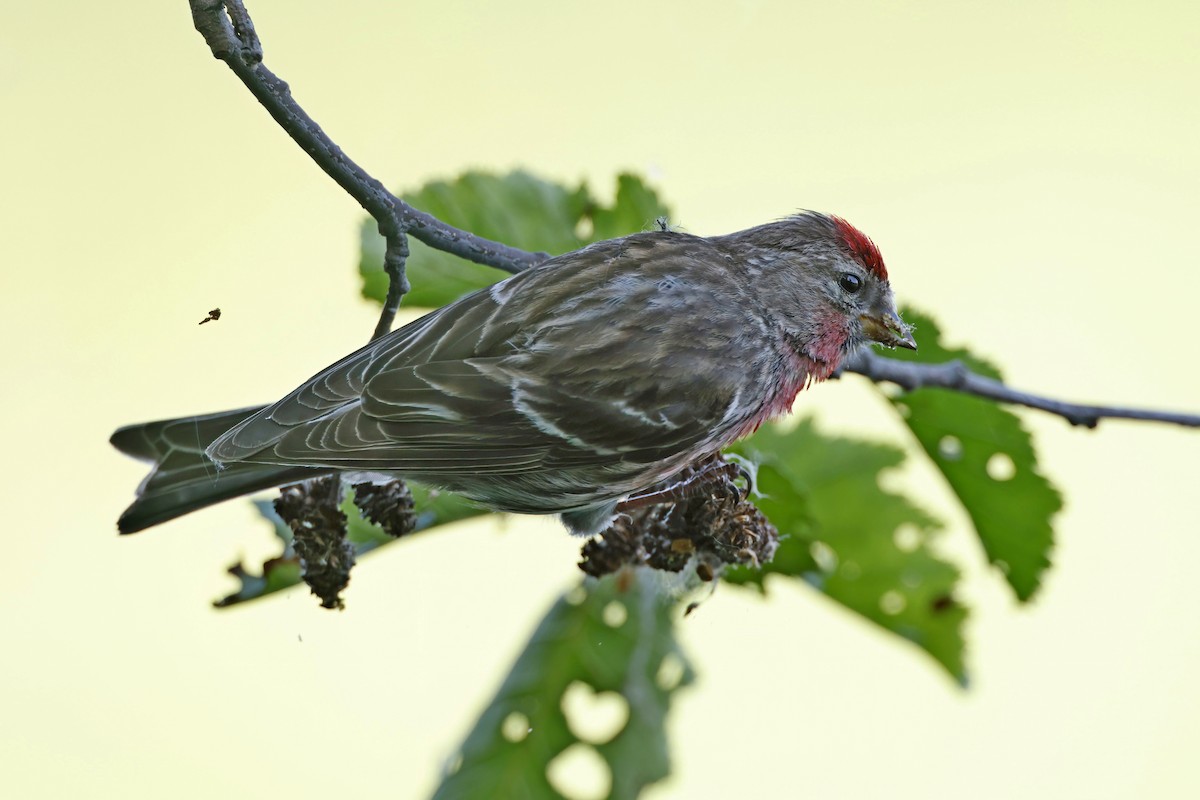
pixel 518 209
pixel 867 548
pixel 282 571
pixel 599 638
pixel 989 461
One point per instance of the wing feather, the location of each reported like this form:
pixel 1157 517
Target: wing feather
pixel 605 362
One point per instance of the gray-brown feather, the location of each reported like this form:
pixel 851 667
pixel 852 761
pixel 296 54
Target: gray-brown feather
pixel 499 396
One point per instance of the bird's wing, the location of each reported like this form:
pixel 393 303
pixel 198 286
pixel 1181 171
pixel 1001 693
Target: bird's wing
pixel 322 423
pixel 612 355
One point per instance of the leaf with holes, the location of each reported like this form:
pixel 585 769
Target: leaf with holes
pixel 867 548
pixel 596 679
pixel 989 461
pixel 282 571
pixel 518 209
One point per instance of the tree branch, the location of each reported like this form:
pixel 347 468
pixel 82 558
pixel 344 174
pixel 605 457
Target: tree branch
pixel 955 375
pixel 227 28
pixel 229 32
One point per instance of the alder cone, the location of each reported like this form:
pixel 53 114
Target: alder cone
pixel 319 536
pixel 706 532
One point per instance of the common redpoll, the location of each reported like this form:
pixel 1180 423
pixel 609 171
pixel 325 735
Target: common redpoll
pixel 564 389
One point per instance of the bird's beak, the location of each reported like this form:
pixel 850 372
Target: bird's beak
pixel 888 329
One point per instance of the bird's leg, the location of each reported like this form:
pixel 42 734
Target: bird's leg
pixel 699 479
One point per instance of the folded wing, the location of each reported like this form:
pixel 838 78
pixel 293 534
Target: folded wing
pixel 598 365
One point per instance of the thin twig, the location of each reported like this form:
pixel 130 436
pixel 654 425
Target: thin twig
pixel 394 258
pixel 955 375
pixel 227 28
pixel 229 32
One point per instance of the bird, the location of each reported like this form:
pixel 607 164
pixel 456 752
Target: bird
pixel 567 388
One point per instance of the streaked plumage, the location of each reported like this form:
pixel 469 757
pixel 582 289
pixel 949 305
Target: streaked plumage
pixel 562 389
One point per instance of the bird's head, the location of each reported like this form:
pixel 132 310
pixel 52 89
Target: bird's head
pixel 825 283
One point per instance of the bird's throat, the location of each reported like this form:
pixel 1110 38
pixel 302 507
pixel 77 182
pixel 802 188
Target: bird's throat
pixel 805 360
pixel 828 347
pixel 815 357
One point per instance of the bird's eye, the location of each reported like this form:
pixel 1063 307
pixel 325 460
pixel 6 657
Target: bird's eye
pixel 850 282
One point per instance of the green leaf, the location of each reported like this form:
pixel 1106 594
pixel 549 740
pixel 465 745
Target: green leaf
pixel 867 548
pixel 989 461
pixel 282 571
pixel 518 209
pixel 598 641
pixel 637 208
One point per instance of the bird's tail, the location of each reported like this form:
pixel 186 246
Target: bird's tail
pixel 183 478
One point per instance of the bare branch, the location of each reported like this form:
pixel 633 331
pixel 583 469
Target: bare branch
pixel 956 376
pixel 227 28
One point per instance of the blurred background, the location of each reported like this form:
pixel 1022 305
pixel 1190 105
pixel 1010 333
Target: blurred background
pixel 1030 171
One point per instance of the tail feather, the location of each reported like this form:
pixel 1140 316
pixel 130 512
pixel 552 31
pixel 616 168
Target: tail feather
pixel 183 478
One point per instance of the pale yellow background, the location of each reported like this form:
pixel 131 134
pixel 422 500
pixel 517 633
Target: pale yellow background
pixel 1031 171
